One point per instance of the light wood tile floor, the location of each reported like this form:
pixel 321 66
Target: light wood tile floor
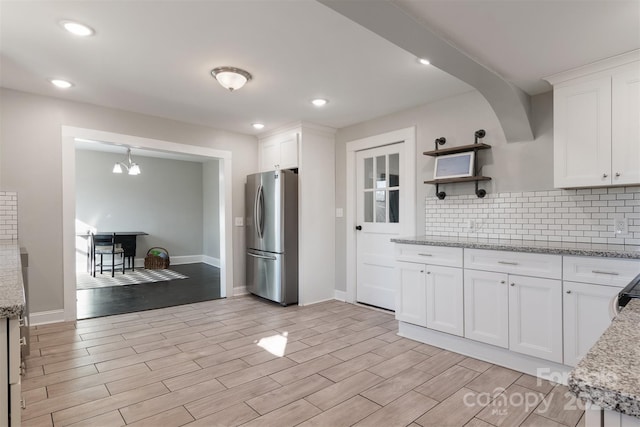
pixel 243 361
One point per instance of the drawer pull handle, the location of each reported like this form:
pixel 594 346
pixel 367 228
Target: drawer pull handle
pixel 425 254
pixel 23 341
pixel 22 322
pixel 23 403
pixel 507 263
pixel 610 273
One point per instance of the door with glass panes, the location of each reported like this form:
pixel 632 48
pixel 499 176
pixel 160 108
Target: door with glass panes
pixel 379 199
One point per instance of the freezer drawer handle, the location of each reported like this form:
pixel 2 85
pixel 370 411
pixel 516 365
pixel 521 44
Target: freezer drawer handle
pixel 507 263
pixel 611 273
pixel 262 256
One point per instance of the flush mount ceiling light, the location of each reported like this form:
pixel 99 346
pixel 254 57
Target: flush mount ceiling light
pixel 77 29
pixel 131 167
pixel 319 102
pixel 257 126
pixel 231 78
pixel 62 84
pixel 424 61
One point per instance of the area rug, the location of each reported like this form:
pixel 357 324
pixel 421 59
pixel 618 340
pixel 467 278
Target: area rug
pixel 86 281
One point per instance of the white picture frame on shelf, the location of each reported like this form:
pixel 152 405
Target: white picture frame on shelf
pixel 457 165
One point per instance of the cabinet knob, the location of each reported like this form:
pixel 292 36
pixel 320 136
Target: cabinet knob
pixel 568 292
pixel 617 174
pixel 358 227
pixel 513 284
pixel 502 282
pixel 421 271
pixel 604 175
pixel 428 272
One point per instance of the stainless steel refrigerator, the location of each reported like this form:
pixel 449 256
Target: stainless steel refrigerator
pixel 271 204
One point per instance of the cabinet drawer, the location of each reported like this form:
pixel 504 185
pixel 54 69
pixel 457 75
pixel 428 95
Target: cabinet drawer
pixel 525 264
pixel 433 255
pixel 600 271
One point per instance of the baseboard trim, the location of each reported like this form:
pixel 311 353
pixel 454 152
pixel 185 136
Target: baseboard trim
pixel 45 317
pixel 184 259
pixel 340 295
pixel 214 262
pixel 546 369
pixel 241 290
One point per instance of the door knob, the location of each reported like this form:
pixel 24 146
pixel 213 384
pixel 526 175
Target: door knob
pixel 358 227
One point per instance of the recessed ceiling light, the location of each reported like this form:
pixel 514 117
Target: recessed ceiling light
pixel 77 28
pixel 424 61
pixel 62 84
pixel 257 126
pixel 319 102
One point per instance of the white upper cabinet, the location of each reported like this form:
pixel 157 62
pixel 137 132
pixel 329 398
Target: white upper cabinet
pixel 278 152
pixel 597 124
pixel 625 125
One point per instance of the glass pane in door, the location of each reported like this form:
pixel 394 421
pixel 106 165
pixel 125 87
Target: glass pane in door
pixel 381 172
pixel 381 206
pixel 394 170
pixel 368 172
pixel 394 205
pixel 368 206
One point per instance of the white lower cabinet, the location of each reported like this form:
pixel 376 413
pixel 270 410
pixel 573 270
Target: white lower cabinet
pixel 587 314
pixel 411 293
pixel 430 295
pixel 444 293
pixel 535 317
pixel 486 307
pixel 10 391
pixel 521 313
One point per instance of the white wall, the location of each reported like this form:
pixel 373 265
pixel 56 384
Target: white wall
pixel 31 164
pixel 521 166
pixel 165 200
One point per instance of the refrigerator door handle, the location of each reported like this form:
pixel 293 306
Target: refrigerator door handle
pixel 261 191
pixel 262 256
pixel 257 213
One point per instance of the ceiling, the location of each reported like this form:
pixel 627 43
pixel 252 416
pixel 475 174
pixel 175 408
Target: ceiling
pixel 155 57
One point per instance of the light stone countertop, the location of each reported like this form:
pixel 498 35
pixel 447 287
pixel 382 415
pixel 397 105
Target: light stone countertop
pixel 609 374
pixel 531 246
pixel 12 301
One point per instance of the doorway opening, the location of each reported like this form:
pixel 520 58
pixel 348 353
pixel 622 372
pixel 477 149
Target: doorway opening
pixel 198 269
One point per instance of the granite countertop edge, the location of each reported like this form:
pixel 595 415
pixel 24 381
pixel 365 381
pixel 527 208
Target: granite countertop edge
pixel 12 297
pixel 531 246
pixel 608 374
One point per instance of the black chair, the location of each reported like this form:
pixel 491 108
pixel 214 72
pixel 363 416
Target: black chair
pixel 105 244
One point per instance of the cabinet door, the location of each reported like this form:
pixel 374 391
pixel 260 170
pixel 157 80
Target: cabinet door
pixel 586 315
pixel 445 299
pixel 535 317
pixel 289 153
pixel 269 155
pixel 582 133
pixel 486 307
pixel 411 302
pixel 625 114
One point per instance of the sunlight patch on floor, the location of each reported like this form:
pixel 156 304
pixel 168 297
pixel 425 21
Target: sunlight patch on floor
pixel 275 344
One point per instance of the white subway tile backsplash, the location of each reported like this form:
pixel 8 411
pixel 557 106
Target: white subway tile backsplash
pixel 8 215
pixel 584 215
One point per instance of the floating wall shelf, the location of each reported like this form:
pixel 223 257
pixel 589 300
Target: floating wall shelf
pixel 475 147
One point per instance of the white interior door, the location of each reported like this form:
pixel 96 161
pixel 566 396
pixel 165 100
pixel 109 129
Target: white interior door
pixel 379 211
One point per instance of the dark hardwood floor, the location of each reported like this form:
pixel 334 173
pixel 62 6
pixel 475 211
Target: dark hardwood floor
pixel 202 284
